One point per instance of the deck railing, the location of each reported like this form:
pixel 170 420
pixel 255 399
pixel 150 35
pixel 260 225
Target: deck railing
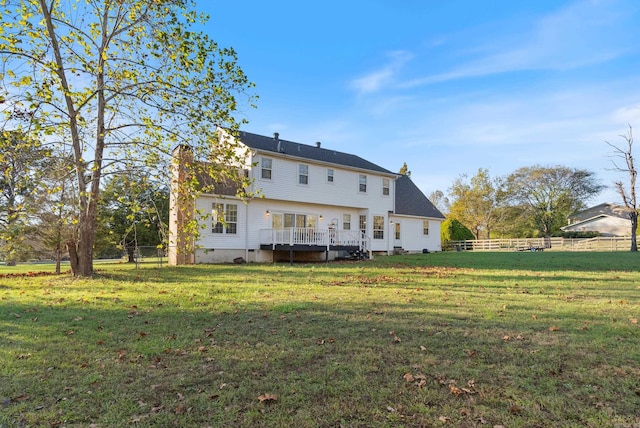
pixel 315 237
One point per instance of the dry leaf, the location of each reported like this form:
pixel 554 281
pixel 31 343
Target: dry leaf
pixel 554 328
pixel 268 397
pixel 455 390
pixel 515 409
pixel 409 377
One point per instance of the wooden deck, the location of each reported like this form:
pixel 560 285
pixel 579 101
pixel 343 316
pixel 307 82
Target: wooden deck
pixel 318 240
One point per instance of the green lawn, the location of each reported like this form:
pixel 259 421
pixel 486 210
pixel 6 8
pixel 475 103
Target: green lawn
pixel 446 339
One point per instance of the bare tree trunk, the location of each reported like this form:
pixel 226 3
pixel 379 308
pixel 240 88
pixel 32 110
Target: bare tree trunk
pixel 73 255
pixel 628 194
pixel 633 215
pixel 131 254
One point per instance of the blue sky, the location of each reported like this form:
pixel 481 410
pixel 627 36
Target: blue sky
pixel 445 86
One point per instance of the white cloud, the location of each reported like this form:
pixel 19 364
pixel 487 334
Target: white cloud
pixel 378 79
pixel 582 34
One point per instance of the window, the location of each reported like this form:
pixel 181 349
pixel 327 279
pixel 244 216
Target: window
pixel 378 227
pixel 265 165
pixel 397 231
pixel 224 220
pixel 277 221
pixel 217 218
pixel 329 175
pixel 363 224
pixel 346 221
pixel 303 174
pixel 385 186
pixel 425 227
pixel 363 183
pixel 291 220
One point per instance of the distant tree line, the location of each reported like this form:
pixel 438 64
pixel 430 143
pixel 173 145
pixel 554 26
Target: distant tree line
pixel 533 201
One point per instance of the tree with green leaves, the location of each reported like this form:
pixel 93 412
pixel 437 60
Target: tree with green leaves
pixel 134 213
pixel 628 192
pixel 115 84
pixel 452 230
pixel 474 202
pixel 22 161
pixel 549 194
pixel 54 210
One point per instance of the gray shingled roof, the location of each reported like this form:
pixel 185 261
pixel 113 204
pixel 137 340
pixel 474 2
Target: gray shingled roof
pixel 411 201
pixel 304 151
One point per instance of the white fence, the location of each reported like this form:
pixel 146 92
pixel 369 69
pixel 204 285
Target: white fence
pixel 602 243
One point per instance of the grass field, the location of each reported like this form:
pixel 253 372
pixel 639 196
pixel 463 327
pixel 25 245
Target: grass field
pixel 446 339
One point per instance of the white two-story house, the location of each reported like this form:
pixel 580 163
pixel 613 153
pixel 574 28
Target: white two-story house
pixel 315 204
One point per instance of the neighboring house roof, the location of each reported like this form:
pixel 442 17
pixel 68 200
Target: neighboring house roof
pixel 607 219
pixel 315 153
pixel 411 201
pixel 604 209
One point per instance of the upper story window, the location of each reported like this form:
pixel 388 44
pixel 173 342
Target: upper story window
pixel 378 227
pixel 425 227
pixel 385 186
pixel 265 168
pixel 329 175
pixel 346 221
pixel 225 218
pixel 303 174
pixel 363 183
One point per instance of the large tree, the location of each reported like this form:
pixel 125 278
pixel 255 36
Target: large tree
pixel 54 211
pixel 474 202
pixel 134 213
pixel 22 162
pixel 549 194
pixel 440 200
pixel 628 192
pixel 114 82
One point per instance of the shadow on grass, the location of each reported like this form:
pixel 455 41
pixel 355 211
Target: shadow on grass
pixel 159 363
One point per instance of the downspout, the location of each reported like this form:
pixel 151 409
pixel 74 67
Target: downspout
pixel 246 231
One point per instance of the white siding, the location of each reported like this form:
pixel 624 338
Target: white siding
pixel 343 191
pixel 412 237
pixel 608 226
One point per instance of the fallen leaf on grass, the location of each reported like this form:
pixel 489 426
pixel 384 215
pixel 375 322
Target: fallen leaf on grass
pixel 554 328
pixel 634 320
pixel 515 409
pixel 444 419
pixel 396 339
pixel 20 398
pixel 268 397
pixel 455 390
